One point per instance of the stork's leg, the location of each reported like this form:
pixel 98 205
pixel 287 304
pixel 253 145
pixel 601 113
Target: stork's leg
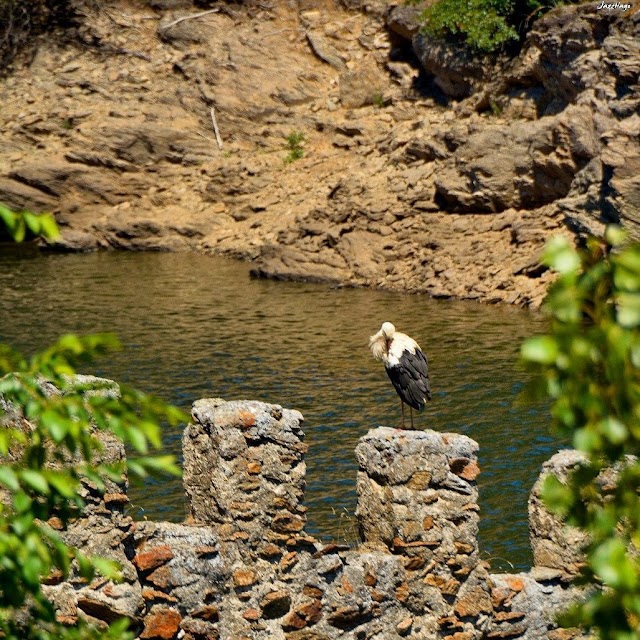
pixel 411 414
pixel 402 408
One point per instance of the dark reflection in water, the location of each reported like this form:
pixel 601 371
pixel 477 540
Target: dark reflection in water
pixel 195 326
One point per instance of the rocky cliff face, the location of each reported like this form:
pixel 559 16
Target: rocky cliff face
pixel 243 568
pixel 397 188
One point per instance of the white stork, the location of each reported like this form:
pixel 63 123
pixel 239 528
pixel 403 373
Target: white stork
pixel 405 364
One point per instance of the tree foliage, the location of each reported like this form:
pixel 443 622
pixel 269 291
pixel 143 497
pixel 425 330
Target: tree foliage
pixel 483 25
pixel 589 365
pixel 51 423
pixel 23 225
pixel 45 463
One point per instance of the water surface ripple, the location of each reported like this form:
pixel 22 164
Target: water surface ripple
pixel 194 326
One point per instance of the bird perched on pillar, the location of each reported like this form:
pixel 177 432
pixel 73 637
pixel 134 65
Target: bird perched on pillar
pixel 405 364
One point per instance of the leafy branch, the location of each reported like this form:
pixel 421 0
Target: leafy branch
pixel 52 426
pixel 21 225
pixel 589 365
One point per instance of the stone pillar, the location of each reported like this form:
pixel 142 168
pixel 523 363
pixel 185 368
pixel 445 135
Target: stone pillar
pixel 418 499
pixel 244 470
pixel 556 546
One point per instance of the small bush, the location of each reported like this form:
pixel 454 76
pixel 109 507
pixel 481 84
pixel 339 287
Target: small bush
pixel 294 145
pixel 481 24
pixel 378 100
pixel 485 26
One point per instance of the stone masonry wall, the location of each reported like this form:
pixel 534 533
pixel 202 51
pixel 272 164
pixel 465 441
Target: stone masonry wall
pixel 243 568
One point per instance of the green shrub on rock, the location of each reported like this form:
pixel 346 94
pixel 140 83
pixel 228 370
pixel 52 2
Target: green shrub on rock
pixel 294 144
pixel 589 366
pixel 481 23
pixel 484 25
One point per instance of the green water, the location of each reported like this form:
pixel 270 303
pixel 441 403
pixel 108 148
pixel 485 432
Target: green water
pixel 194 326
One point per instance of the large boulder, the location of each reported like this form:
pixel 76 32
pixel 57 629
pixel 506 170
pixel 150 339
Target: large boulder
pixel 362 85
pixel 543 159
pixel 456 70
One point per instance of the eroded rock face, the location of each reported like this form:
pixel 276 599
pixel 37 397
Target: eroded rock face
pixel 579 56
pixel 544 160
pixel 577 49
pixel 456 70
pixel 621 163
pixel 393 191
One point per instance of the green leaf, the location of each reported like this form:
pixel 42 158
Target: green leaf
pixel 19 230
pixel 32 221
pixel 43 225
pixel 629 259
pixel 136 469
pixel 115 471
pixel 118 630
pixel 10 360
pixel 22 524
pixel 56 424
pixel 628 309
pixel 71 342
pixel 626 269
pixel 32 570
pixel 611 564
pixel 22 502
pixel 587 440
pixel 560 255
pixel 48 227
pixel 564 302
pixel 9 219
pixel 9 478
pixel 35 480
pixel 541 349
pixel 85 566
pixel 614 430
pixel 151 431
pixel 626 280
pixel 62 482
pixel 556 496
pixel 160 465
pixel 635 353
pixel 137 439
pixel 615 235
pixel 110 569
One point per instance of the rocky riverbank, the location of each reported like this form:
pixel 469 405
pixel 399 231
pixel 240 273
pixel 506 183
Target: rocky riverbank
pixel 243 568
pixel 417 174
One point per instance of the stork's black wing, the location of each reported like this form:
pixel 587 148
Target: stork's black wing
pixel 410 377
